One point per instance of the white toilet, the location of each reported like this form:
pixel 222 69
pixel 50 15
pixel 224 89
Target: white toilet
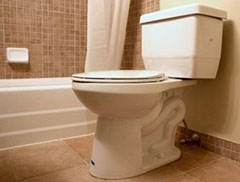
pixel 138 111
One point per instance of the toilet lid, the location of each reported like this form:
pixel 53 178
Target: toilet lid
pixel 120 76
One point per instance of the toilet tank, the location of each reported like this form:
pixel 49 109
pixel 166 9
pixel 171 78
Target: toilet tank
pixel 183 42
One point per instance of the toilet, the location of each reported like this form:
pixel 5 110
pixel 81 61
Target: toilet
pixel 139 110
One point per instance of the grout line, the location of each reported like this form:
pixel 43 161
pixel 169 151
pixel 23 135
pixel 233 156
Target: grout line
pixel 174 176
pixel 11 167
pixel 42 40
pixel 76 153
pixel 41 174
pixel 205 164
pixel 45 174
pixel 196 179
pixel 44 142
pixel 75 37
pixel 4 44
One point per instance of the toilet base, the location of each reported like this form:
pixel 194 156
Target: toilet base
pixel 125 148
pixel 149 163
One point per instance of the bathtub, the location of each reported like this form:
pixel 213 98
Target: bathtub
pixel 40 110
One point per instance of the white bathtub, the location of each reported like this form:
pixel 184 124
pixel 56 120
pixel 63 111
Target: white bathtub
pixel 39 110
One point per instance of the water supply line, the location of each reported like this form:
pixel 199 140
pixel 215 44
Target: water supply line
pixel 194 139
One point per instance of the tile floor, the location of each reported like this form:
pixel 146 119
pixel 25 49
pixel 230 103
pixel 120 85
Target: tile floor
pixel 67 161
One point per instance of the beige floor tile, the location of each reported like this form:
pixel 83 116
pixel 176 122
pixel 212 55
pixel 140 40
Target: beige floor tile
pixel 192 157
pixel 78 174
pixel 223 170
pixel 5 168
pixel 44 158
pixel 82 145
pixel 153 176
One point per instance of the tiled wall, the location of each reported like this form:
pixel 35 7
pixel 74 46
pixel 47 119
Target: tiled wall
pixel 54 31
pixel 217 145
pixel 132 58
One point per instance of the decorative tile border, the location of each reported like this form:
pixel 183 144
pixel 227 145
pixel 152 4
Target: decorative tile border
pixel 219 146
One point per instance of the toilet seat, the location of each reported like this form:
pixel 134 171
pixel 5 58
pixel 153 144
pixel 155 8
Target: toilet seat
pixel 120 76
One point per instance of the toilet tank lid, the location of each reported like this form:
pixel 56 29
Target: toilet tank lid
pixel 192 9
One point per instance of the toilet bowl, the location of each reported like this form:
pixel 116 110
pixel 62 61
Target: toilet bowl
pixel 120 96
pixel 138 111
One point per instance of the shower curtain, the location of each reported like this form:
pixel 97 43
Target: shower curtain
pixel 107 22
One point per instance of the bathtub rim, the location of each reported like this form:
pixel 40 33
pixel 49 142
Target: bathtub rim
pixel 8 85
pixel 35 82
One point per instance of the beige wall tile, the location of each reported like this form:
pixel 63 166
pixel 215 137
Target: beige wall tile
pixel 132 58
pixel 50 30
pixel 59 30
pixel 219 146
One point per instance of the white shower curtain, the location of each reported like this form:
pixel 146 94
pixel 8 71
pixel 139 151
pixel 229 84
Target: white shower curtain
pixel 107 22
